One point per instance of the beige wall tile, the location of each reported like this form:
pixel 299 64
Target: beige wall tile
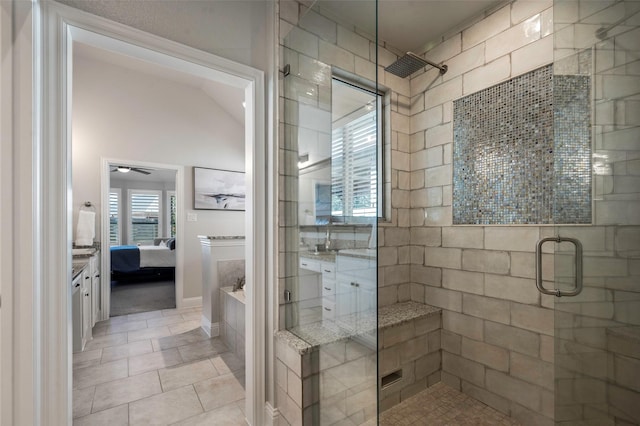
pixel 482 77
pixel 513 38
pixel 511 238
pixel 492 356
pixel 468 282
pixel 320 26
pixel 496 262
pixel 511 288
pixel 487 308
pixel 426 275
pixel 466 369
pixel 444 92
pixel 522 392
pixel 463 237
pixel 443 298
pixel 442 257
pixel 438 176
pixel 532 318
pixel 532 56
pixel 353 42
pixel 492 25
pixel 463 324
pixel 532 370
pixel 512 338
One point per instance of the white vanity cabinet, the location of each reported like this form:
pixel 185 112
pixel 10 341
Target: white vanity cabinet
pixel 355 294
pixel 318 283
pixel 85 289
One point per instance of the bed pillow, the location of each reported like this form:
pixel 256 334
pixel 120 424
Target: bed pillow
pixel 171 243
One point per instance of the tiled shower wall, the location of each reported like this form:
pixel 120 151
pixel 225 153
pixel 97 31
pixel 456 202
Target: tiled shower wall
pixel 497 337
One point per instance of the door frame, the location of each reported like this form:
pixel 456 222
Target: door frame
pixel 61 25
pixel 105 258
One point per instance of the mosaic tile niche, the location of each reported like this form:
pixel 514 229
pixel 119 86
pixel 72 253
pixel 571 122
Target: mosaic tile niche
pixel 522 152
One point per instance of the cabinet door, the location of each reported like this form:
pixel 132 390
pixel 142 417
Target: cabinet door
pixel 95 288
pixel 86 306
pixel 345 304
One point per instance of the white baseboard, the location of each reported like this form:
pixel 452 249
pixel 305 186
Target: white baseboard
pixel 211 328
pixel 192 302
pixel 272 415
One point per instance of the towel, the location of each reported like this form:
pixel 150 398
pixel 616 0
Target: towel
pixel 86 229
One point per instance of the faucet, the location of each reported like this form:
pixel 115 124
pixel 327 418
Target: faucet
pixel 327 240
pixel 239 285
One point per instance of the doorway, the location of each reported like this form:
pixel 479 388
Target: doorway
pixel 142 214
pixel 108 35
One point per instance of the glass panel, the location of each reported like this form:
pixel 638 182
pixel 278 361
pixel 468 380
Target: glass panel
pixel 597 333
pixel 330 186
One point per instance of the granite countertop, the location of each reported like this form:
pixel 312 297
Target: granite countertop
pixel 360 253
pixel 325 256
pixel 78 264
pixel 222 237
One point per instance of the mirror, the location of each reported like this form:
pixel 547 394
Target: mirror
pixel 342 186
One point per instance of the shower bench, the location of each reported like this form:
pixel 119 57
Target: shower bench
pixel 409 360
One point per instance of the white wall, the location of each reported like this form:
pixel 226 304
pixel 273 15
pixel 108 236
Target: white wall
pixel 236 30
pixel 118 113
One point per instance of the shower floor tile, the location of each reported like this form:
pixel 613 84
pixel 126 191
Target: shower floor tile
pixel 442 405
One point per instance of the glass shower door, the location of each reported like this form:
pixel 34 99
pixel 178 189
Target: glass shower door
pixel 597 332
pixel 329 206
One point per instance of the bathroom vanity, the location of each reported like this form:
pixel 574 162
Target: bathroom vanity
pixel 85 288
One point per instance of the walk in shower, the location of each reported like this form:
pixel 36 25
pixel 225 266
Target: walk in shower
pixel 465 227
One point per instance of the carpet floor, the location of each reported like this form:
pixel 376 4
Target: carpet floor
pixel 132 298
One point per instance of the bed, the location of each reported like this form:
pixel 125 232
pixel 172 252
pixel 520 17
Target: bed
pixel 138 261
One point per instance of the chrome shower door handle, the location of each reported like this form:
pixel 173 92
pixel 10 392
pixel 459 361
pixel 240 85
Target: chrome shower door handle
pixel 578 281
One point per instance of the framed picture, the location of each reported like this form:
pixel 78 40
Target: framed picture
pixel 218 189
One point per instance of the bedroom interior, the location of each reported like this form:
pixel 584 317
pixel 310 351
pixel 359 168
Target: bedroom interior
pixel 142 234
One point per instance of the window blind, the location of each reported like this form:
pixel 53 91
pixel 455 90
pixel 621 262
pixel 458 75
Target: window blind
pixel 354 167
pixel 114 217
pixel 145 215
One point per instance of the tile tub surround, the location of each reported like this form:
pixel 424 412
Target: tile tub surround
pixel 232 315
pixel 334 377
pixel 181 375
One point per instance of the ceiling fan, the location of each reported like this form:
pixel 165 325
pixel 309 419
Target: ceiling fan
pixel 127 169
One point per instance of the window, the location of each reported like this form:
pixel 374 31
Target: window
pixel 172 209
pixel 144 213
pixel 115 226
pixel 356 154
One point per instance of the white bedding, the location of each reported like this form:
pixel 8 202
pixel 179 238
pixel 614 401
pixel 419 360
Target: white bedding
pixel 157 257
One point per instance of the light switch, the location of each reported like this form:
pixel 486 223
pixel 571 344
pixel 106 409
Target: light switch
pixel 192 217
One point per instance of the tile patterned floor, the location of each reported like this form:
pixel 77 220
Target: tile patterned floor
pixel 157 368
pixel 442 405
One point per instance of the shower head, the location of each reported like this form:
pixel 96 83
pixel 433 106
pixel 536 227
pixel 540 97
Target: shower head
pixel 410 63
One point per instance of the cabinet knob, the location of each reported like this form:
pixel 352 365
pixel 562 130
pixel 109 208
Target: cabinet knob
pixel 97 275
pixel 327 309
pixel 77 285
pixel 86 294
pixel 328 288
pixel 87 277
pixel 327 270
